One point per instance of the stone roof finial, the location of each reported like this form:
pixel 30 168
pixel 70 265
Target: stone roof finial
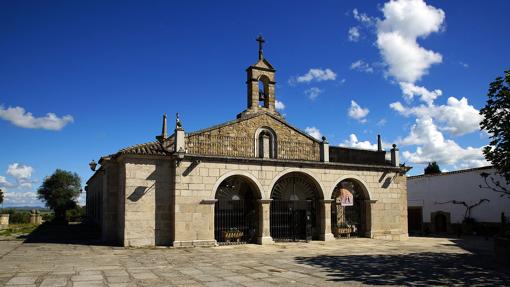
pixel 164 133
pixel 261 41
pixel 178 124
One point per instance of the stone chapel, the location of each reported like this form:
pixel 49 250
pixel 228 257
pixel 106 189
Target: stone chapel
pixel 255 179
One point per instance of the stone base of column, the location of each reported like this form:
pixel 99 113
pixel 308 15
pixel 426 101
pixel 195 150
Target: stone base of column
pixel 327 237
pixel 263 240
pixel 195 243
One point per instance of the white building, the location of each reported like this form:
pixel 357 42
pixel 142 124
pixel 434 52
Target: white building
pixel 430 199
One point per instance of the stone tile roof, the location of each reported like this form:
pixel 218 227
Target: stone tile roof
pixel 150 148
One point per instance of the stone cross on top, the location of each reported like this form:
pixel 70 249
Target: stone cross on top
pixel 261 42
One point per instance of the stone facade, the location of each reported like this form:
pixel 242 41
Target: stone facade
pixel 167 192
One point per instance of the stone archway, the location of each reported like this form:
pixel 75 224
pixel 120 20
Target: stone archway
pixel 237 216
pixel 296 208
pixel 350 209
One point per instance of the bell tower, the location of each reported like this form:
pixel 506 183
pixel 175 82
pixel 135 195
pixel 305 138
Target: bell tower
pixel 260 84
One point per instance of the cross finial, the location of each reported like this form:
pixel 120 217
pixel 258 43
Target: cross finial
pixel 261 42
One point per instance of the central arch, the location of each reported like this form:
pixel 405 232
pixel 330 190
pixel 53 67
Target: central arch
pixel 237 215
pixel 350 209
pixel 296 209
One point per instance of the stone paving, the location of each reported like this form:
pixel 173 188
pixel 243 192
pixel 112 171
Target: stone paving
pixel 359 261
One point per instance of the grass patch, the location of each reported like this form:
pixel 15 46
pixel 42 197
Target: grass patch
pixel 17 230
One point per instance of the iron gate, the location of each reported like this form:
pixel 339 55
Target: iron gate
pixel 291 220
pixel 234 222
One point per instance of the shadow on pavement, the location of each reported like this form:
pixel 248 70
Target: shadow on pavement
pixel 425 268
pixel 80 233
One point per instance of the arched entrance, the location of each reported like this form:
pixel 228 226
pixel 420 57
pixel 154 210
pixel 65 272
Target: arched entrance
pixel 295 209
pixel 236 211
pixel 350 209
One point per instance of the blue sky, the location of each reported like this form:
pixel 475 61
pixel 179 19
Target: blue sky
pixel 107 70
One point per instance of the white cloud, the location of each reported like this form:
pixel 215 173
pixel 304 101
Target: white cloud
pixel 5 183
pixel 382 122
pixel 432 146
pixel 457 117
pixel 355 143
pixel 279 105
pixel 313 93
pixel 404 22
pixel 27 198
pixel 357 112
pixel 410 90
pixel 362 66
pixel 314 132
pixel 354 34
pixel 317 75
pixel 22 174
pixel 363 18
pixel 465 65
pixel 21 118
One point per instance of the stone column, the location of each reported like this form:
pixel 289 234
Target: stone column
pixel 326 220
pixel 264 223
pixel 4 219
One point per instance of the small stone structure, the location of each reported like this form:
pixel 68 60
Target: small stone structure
pixel 4 220
pixel 256 176
pixel 35 217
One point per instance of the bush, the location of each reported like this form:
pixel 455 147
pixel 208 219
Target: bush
pixel 76 214
pixel 16 216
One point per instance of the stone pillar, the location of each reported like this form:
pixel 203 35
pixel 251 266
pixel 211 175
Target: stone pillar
pixel 264 223
pixel 324 150
pixel 326 220
pixel 395 160
pixel 4 219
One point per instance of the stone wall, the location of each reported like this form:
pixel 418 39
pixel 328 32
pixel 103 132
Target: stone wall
pixel 148 199
pixel 94 197
pixel 291 144
pixel 196 184
pixel 110 208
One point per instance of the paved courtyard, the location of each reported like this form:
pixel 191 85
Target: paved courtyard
pixel 418 261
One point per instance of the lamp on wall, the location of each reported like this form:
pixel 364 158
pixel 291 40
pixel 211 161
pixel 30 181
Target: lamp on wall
pixel 179 156
pixel 93 165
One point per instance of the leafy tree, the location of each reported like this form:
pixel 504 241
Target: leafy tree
pixel 432 168
pixel 60 191
pixel 2 198
pixel 496 121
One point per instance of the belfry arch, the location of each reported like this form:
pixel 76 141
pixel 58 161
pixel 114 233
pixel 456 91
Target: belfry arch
pixel 237 216
pixel 296 209
pixel 350 209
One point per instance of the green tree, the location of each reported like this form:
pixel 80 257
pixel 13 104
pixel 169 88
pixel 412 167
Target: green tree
pixel 60 191
pixel 432 168
pixel 496 121
pixel 2 198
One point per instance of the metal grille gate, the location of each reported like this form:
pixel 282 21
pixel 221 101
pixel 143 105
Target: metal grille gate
pixel 291 220
pixel 232 224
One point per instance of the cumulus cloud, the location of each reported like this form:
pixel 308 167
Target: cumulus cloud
pixel 313 93
pixel 432 146
pixel 317 75
pixel 21 118
pixel 5 183
pixel 354 34
pixel 22 174
pixel 355 143
pixel 410 91
pixel 362 66
pixel 457 117
pixel 363 18
pixel 27 198
pixel 356 112
pixel 314 132
pixel 404 22
pixel 279 105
